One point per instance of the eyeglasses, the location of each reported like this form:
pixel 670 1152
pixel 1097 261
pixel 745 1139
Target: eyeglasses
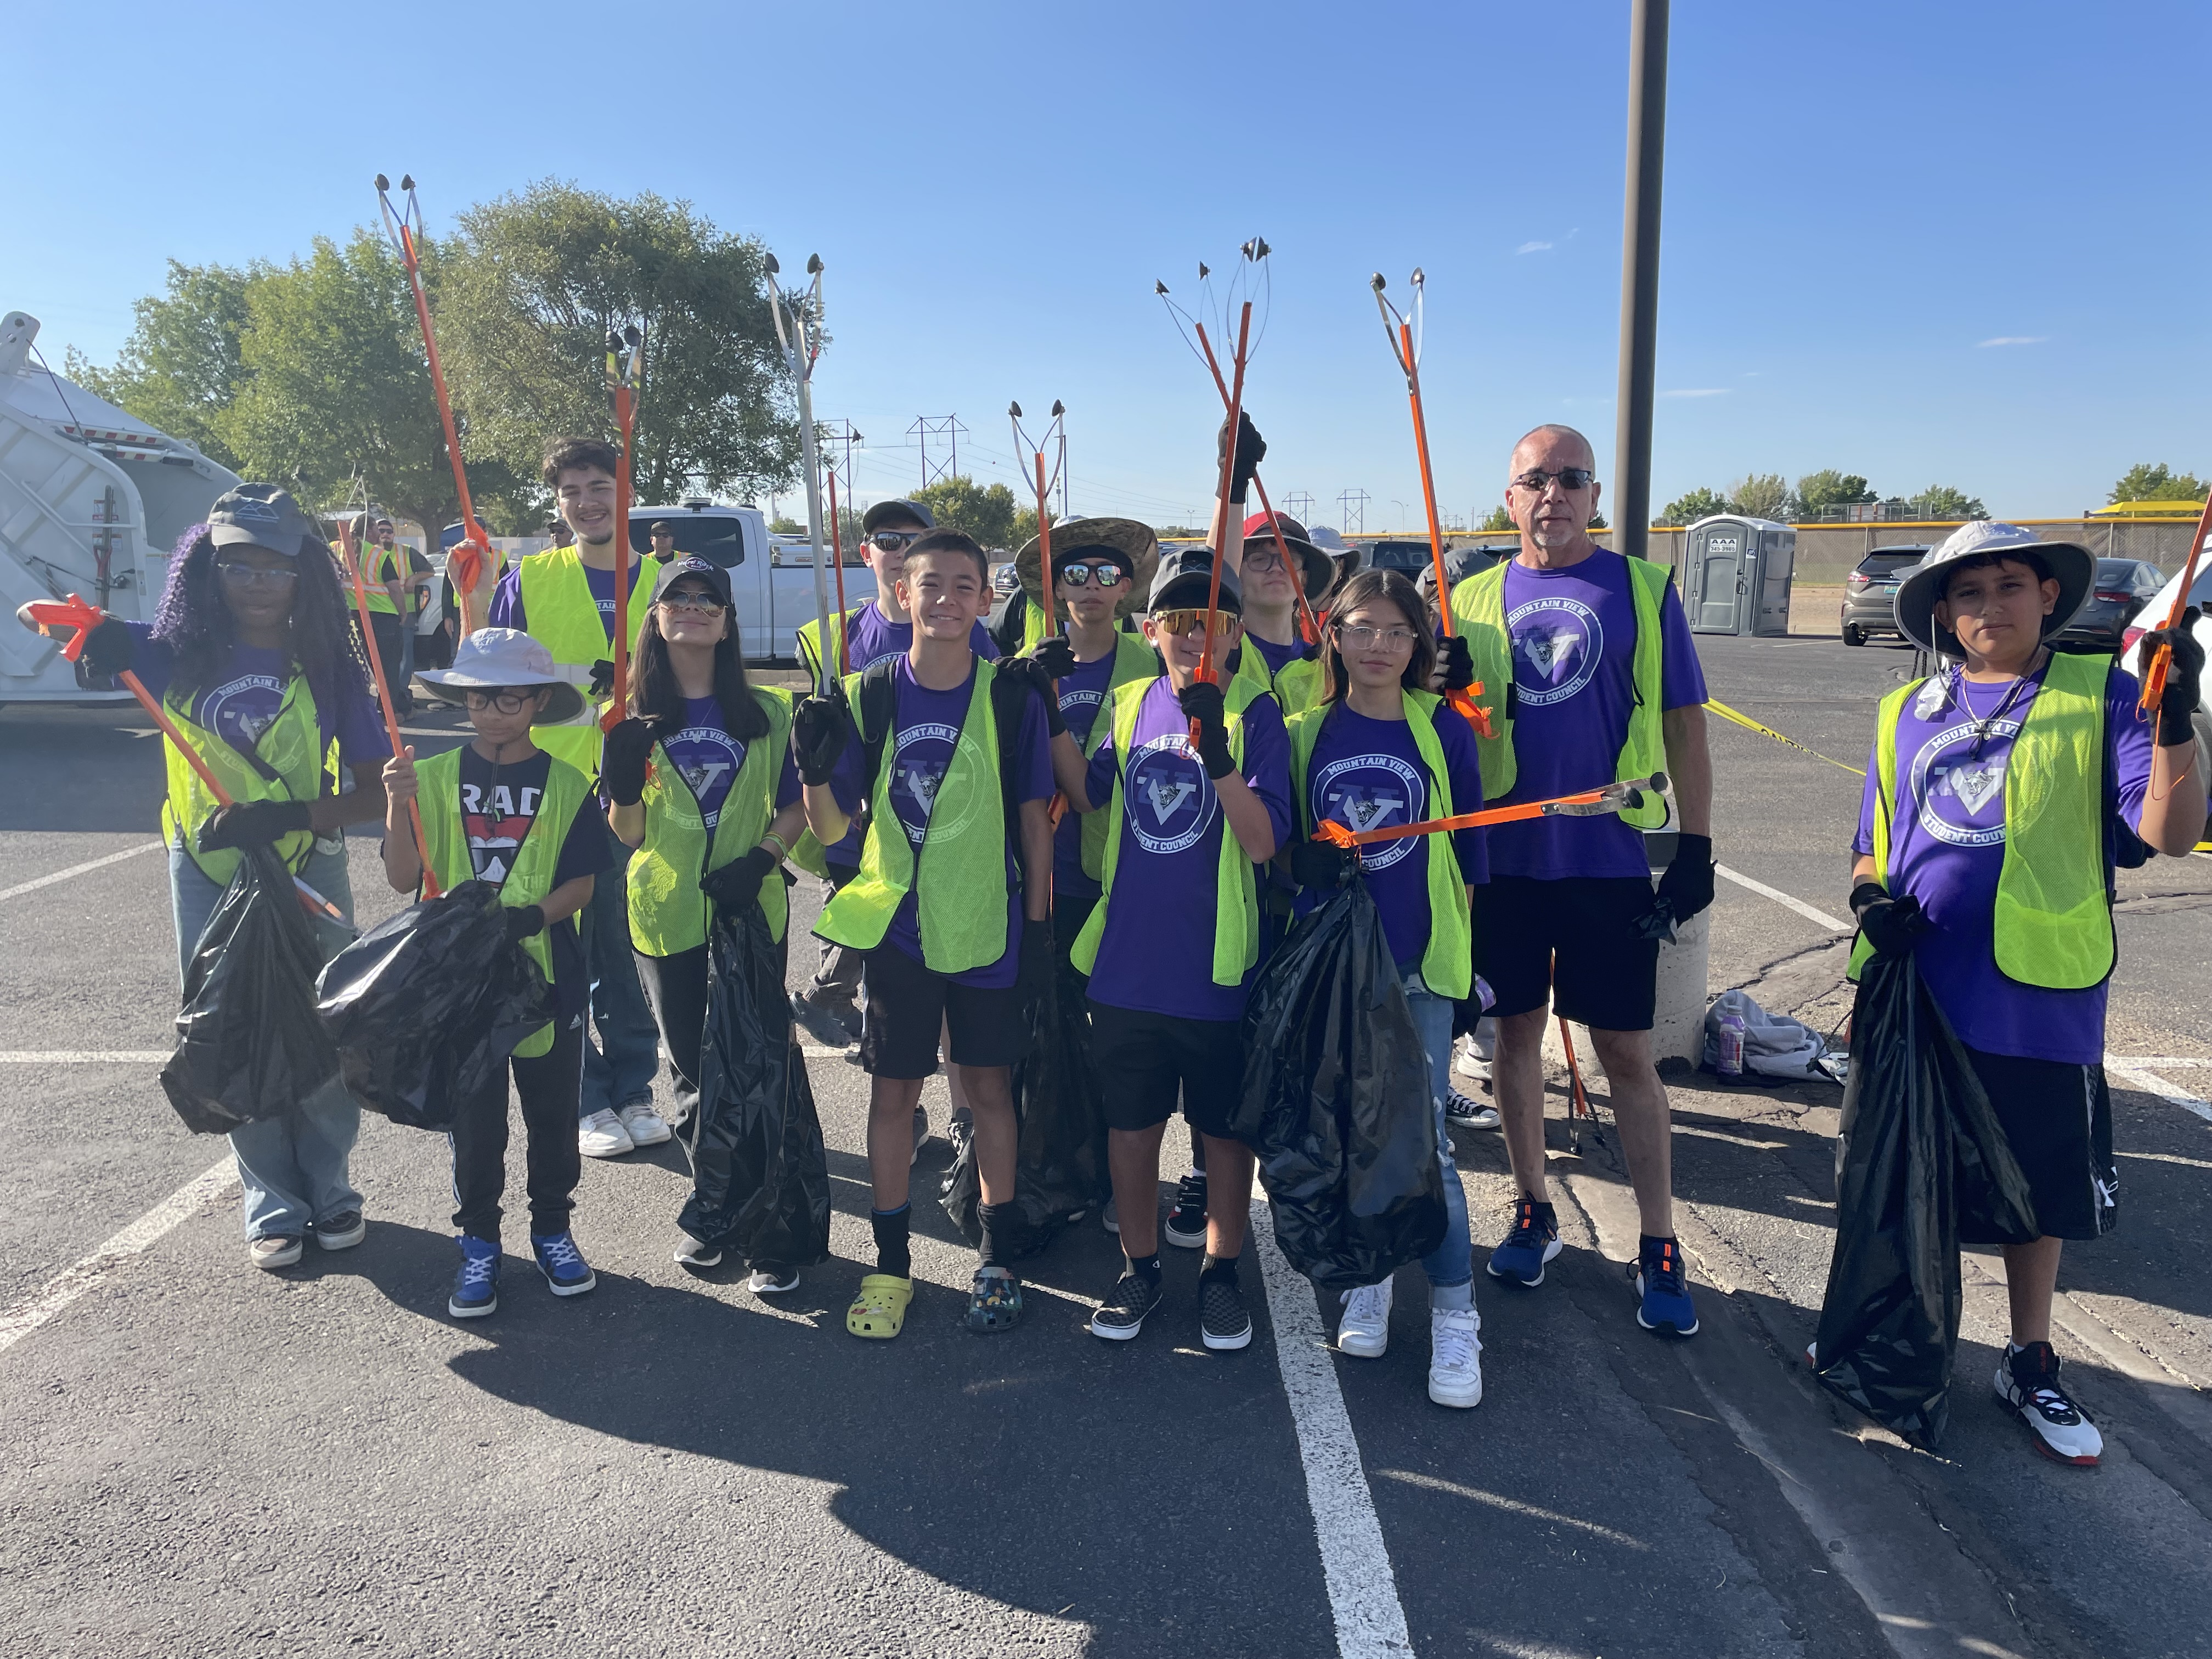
pixel 893 541
pixel 1180 622
pixel 1361 638
pixel 1570 478
pixel 508 702
pixel 239 573
pixel 1265 557
pixel 1088 576
pixel 705 605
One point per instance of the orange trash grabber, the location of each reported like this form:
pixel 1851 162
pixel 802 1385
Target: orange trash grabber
pixel 1578 1103
pixel 2153 679
pixel 352 553
pixel 81 616
pixel 837 563
pixel 624 352
pixel 471 556
pixel 1590 804
pixel 1044 487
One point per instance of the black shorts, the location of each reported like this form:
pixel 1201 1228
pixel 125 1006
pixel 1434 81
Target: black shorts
pixel 1573 942
pixel 906 1006
pixel 2058 1119
pixel 1144 1060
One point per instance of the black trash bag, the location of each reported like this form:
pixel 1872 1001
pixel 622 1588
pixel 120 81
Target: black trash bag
pixel 427 1005
pixel 1921 1161
pixel 1339 1101
pixel 1059 1162
pixel 760 1175
pixel 249 1046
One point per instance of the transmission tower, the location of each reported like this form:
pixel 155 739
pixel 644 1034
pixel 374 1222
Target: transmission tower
pixel 946 427
pixel 1354 503
pixel 1299 505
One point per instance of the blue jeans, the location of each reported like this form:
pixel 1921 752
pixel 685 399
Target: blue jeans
pixel 619 1068
pixel 293 1168
pixel 1450 1266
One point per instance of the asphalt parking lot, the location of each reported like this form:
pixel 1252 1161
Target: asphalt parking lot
pixel 198 1458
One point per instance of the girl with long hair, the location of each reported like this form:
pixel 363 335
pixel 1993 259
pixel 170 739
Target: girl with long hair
pixel 699 781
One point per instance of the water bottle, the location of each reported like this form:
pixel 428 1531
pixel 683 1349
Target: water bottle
pixel 1731 1045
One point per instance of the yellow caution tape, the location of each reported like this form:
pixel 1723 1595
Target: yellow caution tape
pixel 1751 724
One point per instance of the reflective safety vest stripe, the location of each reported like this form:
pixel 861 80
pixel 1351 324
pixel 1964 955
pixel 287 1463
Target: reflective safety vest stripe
pixel 668 913
pixel 2053 921
pixel 1447 961
pixel 529 877
pixel 564 618
pixel 1478 605
pixel 1134 661
pixel 291 747
pixel 377 565
pixel 1236 884
pixel 961 912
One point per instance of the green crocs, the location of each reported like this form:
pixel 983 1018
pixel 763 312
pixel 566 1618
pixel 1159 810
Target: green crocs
pixel 994 1302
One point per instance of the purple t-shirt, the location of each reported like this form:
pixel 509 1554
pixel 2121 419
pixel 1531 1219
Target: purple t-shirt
pixel 1367 773
pixel 506 597
pixel 925 730
pixel 1278 657
pixel 1574 651
pixel 1082 705
pixel 1947 849
pixel 1157 953
pixel 710 759
pixel 242 702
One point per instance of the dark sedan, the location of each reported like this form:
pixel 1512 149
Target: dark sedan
pixel 1871 592
pixel 2124 587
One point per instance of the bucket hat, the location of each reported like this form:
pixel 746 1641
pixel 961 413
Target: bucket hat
pixel 1345 556
pixel 1130 544
pixel 2073 565
pixel 493 658
pixel 1315 571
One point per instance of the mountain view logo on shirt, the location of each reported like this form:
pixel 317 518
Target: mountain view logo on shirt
pixel 244 707
pixel 1558 643
pixel 919 763
pixel 1366 791
pixel 708 759
pixel 1079 698
pixel 1170 801
pixel 1961 793
pixel 495 821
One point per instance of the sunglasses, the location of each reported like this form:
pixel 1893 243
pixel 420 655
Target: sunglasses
pixel 894 541
pixel 1363 638
pixel 506 702
pixel 705 605
pixel 1180 622
pixel 241 574
pixel 1570 478
pixel 1087 576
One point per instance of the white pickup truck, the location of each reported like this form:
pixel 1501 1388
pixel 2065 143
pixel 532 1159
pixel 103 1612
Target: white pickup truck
pixel 771 577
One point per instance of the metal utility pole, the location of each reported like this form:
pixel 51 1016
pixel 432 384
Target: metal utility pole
pixel 947 426
pixel 1299 505
pixel 1354 503
pixel 1640 276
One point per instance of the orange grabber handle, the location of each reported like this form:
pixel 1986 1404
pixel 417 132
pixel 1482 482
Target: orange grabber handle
pixel 626 420
pixel 1206 671
pixel 2153 679
pixel 464 564
pixel 1308 623
pixel 352 553
pixel 1336 834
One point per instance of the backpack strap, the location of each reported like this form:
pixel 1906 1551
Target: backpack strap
pixel 878 711
pixel 1010 701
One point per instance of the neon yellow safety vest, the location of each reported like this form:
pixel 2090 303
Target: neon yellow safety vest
pixel 809 647
pixel 1236 884
pixel 529 877
pixel 959 916
pixel 291 747
pixel 1032 624
pixel 668 913
pixel 564 618
pixel 1478 605
pixel 1448 962
pixel 1297 687
pixel 1134 661
pixel 375 562
pixel 2053 924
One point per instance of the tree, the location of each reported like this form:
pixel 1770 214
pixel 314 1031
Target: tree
pixel 2140 483
pixel 1500 519
pixel 1700 503
pixel 525 292
pixel 1829 487
pixel 1941 504
pixel 960 503
pixel 182 366
pixel 1761 495
pixel 1025 528
pixel 785 525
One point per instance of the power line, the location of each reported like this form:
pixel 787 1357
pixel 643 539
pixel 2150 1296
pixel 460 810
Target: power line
pixel 1299 505
pixel 1354 503
pixel 947 426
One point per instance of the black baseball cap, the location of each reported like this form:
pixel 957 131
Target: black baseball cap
pixel 706 569
pixel 874 518
pixel 1186 577
pixel 265 515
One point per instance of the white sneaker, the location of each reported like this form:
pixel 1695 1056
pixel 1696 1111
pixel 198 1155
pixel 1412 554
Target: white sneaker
pixel 2027 1380
pixel 602 1135
pixel 1471 1059
pixel 647 1128
pixel 1364 1330
pixel 1455 1357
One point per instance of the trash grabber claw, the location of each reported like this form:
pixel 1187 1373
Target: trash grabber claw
pixel 1205 668
pixel 2153 679
pixel 1578 1102
pixel 1308 623
pixel 624 352
pixel 798 314
pixel 1044 487
pixel 352 554
pixel 1624 796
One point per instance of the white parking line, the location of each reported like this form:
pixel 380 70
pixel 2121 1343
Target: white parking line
pixel 2129 1074
pixel 1833 924
pixel 21 888
pixel 82 1056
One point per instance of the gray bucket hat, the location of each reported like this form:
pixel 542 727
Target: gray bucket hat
pixel 1134 545
pixel 503 656
pixel 2072 566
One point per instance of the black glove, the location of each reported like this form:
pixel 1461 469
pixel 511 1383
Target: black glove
pixel 737 882
pixel 820 729
pixel 109 648
pixel 1891 926
pixel 1322 866
pixel 1457 662
pixel 602 680
pixel 1251 450
pixel 1687 886
pixel 1057 655
pixel 1037 959
pixel 251 823
pixel 622 760
pixel 1202 701
pixel 1033 673
pixel 2184 678
pixel 523 921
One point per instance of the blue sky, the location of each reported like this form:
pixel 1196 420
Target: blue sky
pixel 1924 242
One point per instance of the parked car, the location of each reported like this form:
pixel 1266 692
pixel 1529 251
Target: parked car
pixel 1870 591
pixel 2124 587
pixel 1004 579
pixel 773 595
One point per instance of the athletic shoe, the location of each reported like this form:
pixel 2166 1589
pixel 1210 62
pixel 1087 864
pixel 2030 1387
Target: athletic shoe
pixel 270 1253
pixel 696 1254
pixel 1121 1316
pixel 1469 1061
pixel 1364 1330
pixel 1533 1241
pixel 1186 1223
pixel 1455 1357
pixel 828 1018
pixel 771 1278
pixel 342 1231
pixel 476 1287
pixel 566 1271
pixel 1110 1219
pixel 921 1134
pixel 1223 1323
pixel 602 1135
pixel 645 1127
pixel 1663 1290
pixel 2027 1380
pixel 1469 1113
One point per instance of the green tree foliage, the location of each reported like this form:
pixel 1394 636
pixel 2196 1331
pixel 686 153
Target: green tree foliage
pixel 182 366
pixel 1760 495
pixel 986 513
pixel 1025 528
pixel 1941 504
pixel 1829 487
pixel 1699 503
pixel 785 524
pixel 2145 483
pixel 526 292
pixel 1500 519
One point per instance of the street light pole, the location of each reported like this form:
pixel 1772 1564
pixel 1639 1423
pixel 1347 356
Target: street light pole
pixel 1640 276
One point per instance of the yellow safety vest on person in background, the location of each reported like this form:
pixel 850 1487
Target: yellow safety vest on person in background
pixel 564 618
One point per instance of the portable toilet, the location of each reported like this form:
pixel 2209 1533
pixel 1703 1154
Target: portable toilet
pixel 1736 573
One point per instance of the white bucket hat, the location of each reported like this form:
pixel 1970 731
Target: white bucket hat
pixel 2072 565
pixel 497 658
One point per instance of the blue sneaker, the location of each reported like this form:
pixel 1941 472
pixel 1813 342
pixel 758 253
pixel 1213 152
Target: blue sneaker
pixel 563 1263
pixel 1534 1240
pixel 1663 1289
pixel 476 1287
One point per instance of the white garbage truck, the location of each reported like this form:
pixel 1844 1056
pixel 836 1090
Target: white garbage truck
pixel 92 501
